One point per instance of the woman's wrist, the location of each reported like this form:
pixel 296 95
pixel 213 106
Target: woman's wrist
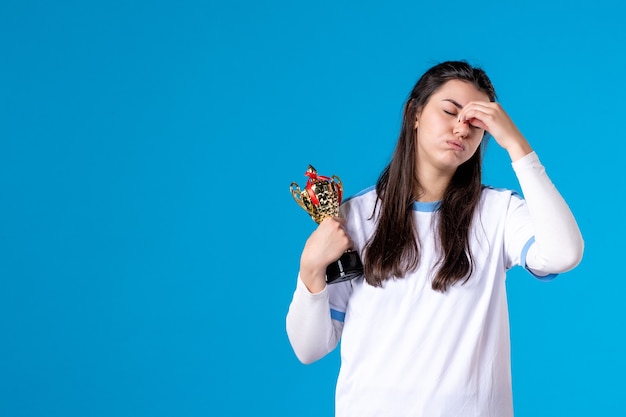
pixel 314 280
pixel 519 150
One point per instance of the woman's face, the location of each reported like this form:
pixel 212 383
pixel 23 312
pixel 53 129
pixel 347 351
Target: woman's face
pixel 444 143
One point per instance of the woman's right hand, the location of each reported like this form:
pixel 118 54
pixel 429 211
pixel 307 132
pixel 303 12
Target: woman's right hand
pixel 325 245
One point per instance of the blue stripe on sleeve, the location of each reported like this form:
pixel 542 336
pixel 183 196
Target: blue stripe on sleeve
pixel 527 246
pixel 337 315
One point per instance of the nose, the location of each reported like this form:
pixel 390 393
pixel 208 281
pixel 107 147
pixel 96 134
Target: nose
pixel 461 128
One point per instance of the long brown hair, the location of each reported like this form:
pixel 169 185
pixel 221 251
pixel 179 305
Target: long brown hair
pixel 394 248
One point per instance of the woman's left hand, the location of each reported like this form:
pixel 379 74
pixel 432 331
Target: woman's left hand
pixel 491 117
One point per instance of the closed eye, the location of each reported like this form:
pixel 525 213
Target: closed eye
pixel 450 113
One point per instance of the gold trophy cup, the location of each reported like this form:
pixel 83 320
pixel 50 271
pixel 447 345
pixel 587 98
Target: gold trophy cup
pixel 321 198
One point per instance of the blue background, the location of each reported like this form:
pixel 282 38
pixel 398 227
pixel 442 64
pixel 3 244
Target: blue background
pixel 148 241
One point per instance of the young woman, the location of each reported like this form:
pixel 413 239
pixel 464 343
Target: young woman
pixel 425 331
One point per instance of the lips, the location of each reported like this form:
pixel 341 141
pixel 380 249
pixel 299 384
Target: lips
pixel 455 144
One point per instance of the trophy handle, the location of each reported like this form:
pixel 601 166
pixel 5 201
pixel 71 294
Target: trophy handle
pixel 339 187
pixel 297 194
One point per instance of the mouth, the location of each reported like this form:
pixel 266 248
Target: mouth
pixel 456 145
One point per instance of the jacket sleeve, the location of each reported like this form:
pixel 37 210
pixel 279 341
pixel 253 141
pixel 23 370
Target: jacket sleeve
pixel 558 245
pixel 311 330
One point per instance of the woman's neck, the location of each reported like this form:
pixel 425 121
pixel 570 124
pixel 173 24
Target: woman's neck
pixel 433 186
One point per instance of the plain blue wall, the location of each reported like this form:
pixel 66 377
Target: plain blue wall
pixel 149 244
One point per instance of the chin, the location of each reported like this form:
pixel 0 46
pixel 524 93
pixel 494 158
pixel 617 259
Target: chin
pixel 453 161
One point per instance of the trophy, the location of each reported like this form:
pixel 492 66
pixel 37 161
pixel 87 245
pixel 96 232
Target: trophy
pixel 321 198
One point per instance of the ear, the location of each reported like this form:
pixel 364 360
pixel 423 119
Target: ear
pixel 418 113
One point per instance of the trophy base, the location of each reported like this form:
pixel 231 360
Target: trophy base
pixel 347 267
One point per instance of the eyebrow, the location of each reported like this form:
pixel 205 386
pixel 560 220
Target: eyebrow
pixel 456 104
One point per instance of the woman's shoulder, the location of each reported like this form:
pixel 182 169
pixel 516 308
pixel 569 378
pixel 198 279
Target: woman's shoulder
pixel 363 200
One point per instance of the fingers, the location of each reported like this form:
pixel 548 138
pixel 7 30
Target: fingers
pixel 491 117
pixel 481 114
pixel 325 245
pixel 335 228
pixel 339 220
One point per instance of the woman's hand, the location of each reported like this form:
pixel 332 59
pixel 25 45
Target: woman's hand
pixel 491 117
pixel 325 245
